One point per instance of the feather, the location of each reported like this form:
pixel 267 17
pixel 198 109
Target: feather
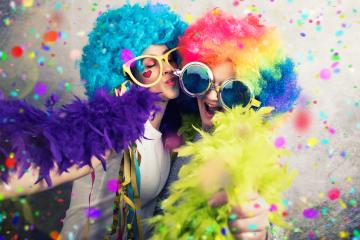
pixel 72 134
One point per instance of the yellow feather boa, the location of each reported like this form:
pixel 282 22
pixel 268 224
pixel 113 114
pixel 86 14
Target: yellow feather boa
pixel 238 157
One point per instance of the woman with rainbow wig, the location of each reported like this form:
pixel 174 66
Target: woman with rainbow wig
pixel 127 67
pixel 231 61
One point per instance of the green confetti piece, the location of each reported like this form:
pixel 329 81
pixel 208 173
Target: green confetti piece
pixel 19 190
pixel 252 227
pixel 335 57
pixel 37 213
pixel 68 87
pixel 353 202
pixel 3 56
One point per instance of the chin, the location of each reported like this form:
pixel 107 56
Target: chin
pixel 205 116
pixel 206 123
pixel 170 94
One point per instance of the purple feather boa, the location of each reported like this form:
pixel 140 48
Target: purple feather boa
pixel 73 134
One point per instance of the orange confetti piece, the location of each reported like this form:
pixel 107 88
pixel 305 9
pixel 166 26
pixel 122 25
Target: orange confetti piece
pixel 50 37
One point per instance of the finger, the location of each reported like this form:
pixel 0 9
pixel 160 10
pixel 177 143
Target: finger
pixel 255 224
pixel 218 199
pixel 251 209
pixel 251 236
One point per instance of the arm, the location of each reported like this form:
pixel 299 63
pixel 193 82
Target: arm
pixel 25 185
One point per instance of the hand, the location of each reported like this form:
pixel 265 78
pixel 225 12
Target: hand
pixel 248 221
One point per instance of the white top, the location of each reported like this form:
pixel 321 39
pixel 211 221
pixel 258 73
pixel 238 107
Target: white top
pixel 154 170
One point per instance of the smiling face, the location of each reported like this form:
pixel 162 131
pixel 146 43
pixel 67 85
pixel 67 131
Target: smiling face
pixel 168 85
pixel 210 102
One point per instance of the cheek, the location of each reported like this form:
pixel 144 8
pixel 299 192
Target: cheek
pixel 200 103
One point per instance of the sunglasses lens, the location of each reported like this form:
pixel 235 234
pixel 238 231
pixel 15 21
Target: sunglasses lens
pixel 195 79
pixel 174 59
pixel 235 93
pixel 145 70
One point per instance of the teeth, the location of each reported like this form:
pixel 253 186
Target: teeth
pixel 212 109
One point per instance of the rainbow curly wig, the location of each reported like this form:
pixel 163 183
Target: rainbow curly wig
pixel 255 50
pixel 122 34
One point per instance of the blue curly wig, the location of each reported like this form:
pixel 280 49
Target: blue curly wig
pixel 121 34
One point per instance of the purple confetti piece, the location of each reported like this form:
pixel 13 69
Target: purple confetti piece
pixel 93 213
pixel 311 213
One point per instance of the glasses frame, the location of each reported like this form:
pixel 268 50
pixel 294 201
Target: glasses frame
pixel 218 89
pixel 160 59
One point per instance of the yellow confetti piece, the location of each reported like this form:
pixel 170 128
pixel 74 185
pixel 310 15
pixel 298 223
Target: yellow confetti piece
pixel 343 234
pixel 342 203
pixel 28 3
pixel 321 195
pixel 349 179
pixel 188 18
pixel 312 142
pixel 31 55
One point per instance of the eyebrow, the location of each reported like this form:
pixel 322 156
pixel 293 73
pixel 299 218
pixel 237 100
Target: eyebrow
pixel 152 54
pixel 165 50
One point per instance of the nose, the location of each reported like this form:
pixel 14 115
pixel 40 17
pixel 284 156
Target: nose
pixel 212 95
pixel 167 68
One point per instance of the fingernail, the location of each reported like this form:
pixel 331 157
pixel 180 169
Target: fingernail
pixel 235 230
pixel 232 217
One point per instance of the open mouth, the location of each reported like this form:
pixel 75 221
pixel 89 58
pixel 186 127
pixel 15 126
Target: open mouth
pixel 212 109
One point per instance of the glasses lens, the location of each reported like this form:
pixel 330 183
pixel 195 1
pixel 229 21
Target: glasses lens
pixel 235 93
pixel 174 59
pixel 196 79
pixel 145 70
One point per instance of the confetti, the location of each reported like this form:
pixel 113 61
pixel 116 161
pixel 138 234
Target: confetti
pixel 50 37
pixel 302 120
pixel 126 55
pixel 17 52
pixel 40 88
pixel 343 234
pixel 3 56
pixel 28 3
pixel 273 208
pixel 54 235
pixel 112 185
pixel 93 213
pixel 252 227
pixel 67 87
pixel 279 142
pixel 188 18
pixel 334 194
pixel 311 213
pixel 10 162
pixel 312 142
pixel 325 74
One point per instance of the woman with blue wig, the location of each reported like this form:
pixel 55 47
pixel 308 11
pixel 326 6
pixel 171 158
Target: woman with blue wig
pixel 129 46
pixel 127 67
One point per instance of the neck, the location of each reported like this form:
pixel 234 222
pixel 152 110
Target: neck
pixel 159 115
pixel 207 128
